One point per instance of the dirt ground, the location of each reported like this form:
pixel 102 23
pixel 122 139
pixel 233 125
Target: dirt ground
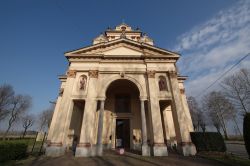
pixel 111 159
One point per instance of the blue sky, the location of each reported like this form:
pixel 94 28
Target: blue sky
pixel 35 34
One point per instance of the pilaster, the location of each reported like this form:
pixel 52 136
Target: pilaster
pixel 54 117
pixel 186 109
pixel 185 146
pixel 86 147
pixel 159 147
pixel 57 146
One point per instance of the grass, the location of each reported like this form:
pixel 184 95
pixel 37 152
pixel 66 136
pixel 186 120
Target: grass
pixel 227 159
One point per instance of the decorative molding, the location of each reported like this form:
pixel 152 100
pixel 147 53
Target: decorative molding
pixel 159 144
pixel 151 73
pixel 172 73
pixel 79 97
pixel 99 48
pixel 61 91
pixel 143 98
pixel 122 74
pixel 71 73
pixel 186 143
pixel 86 144
pixel 93 73
pixel 58 144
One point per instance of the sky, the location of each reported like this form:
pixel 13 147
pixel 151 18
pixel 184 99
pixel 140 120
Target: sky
pixel 211 35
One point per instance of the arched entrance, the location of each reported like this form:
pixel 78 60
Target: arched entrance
pixel 123 102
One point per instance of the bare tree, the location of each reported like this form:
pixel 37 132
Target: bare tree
pixel 234 119
pixel 45 118
pixel 6 96
pixel 19 105
pixel 216 123
pixel 203 124
pixel 219 109
pixel 237 89
pixel 196 114
pixel 27 122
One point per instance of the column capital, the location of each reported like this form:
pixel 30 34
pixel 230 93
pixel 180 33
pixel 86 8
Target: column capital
pixel 182 91
pixel 93 73
pixel 143 98
pixel 71 73
pixel 151 73
pixel 172 73
pixel 101 98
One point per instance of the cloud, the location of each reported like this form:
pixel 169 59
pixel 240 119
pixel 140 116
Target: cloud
pixel 212 47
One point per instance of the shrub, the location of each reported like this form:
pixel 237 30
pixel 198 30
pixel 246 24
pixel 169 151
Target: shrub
pixel 246 132
pixel 12 150
pixel 208 141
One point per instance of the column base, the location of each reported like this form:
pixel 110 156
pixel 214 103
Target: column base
pixel 145 150
pixel 187 148
pixel 107 146
pixel 55 150
pixel 99 150
pixel 160 150
pixel 85 150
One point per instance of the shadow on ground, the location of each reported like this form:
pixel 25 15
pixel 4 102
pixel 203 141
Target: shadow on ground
pixel 129 159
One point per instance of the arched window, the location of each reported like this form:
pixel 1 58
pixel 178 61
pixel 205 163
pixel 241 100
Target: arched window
pixel 162 83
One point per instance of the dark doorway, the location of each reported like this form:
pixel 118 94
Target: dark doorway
pixel 122 103
pixel 76 123
pixel 122 133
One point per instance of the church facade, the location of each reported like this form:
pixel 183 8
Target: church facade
pixel 121 92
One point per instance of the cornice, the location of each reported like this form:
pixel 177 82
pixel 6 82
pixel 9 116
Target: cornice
pixel 62 78
pixel 182 78
pixel 128 41
pixel 100 57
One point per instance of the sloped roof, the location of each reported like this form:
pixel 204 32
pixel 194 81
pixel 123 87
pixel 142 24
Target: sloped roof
pixel 142 46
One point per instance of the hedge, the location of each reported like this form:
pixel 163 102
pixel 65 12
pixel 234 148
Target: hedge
pixel 13 150
pixel 208 141
pixel 246 132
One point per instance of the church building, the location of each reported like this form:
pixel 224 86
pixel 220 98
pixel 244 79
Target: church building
pixel 121 92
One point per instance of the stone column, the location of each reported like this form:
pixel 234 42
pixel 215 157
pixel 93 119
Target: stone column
pixel 100 129
pixel 182 132
pixel 55 114
pixel 85 147
pixel 186 109
pixel 113 131
pixel 145 148
pixel 159 147
pixel 57 146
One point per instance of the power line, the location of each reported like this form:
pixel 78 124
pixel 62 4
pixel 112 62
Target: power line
pixel 238 62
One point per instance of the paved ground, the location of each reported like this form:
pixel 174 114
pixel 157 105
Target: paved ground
pixel 112 159
pixel 237 148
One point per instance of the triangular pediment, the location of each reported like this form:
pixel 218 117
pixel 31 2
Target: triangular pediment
pixel 122 47
pixel 122 50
